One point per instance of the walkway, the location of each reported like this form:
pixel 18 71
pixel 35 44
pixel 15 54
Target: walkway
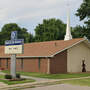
pixel 1 73
pixel 35 78
pixel 60 87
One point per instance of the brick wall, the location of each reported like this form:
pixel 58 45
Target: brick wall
pixel 58 64
pixel 43 65
pixel 29 65
pixel 4 64
pixel 32 65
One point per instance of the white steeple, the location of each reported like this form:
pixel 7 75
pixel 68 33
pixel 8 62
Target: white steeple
pixel 68 35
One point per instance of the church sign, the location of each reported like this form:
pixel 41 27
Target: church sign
pixel 14 46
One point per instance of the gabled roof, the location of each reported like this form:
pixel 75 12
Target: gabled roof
pixel 45 49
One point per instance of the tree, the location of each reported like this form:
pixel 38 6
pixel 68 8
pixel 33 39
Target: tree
pixel 84 10
pixel 50 29
pixel 31 38
pixel 8 28
pixel 78 31
pixel 84 14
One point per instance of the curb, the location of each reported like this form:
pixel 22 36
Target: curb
pixel 28 85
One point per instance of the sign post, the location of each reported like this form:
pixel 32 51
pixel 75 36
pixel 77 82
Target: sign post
pixel 13 66
pixel 13 47
pixel 13 56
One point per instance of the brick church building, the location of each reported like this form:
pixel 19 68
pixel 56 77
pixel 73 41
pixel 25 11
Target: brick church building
pixel 60 56
pixel 51 57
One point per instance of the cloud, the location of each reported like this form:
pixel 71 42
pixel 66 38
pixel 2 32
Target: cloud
pixel 29 13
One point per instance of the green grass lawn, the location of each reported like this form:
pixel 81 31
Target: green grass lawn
pixel 2 79
pixel 85 82
pixel 81 82
pixel 52 76
pixel 55 76
pixel 1 76
pixel 16 82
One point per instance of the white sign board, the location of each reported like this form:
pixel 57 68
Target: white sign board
pixel 14 49
pixel 14 46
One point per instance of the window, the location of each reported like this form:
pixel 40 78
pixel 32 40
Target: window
pixel 0 63
pixel 7 63
pixel 22 63
pixel 39 61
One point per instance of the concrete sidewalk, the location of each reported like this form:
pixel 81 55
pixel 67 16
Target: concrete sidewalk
pixel 36 84
pixel 35 78
pixel 61 87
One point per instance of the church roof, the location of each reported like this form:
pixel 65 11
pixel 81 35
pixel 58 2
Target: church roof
pixel 45 49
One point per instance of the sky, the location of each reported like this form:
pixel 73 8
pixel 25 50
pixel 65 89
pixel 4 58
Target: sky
pixel 30 13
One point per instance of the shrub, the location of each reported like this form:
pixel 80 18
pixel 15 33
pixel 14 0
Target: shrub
pixel 17 75
pixel 8 76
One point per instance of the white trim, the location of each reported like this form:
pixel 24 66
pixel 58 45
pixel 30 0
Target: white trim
pixel 87 43
pixel 27 57
pixel 33 56
pixel 68 47
pixel 5 57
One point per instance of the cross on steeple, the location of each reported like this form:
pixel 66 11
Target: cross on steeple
pixel 68 35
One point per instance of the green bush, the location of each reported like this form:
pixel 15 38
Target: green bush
pixel 8 76
pixel 17 75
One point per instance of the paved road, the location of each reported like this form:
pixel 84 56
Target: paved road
pixel 61 87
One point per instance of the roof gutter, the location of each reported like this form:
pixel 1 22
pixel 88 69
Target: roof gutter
pixel 28 57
